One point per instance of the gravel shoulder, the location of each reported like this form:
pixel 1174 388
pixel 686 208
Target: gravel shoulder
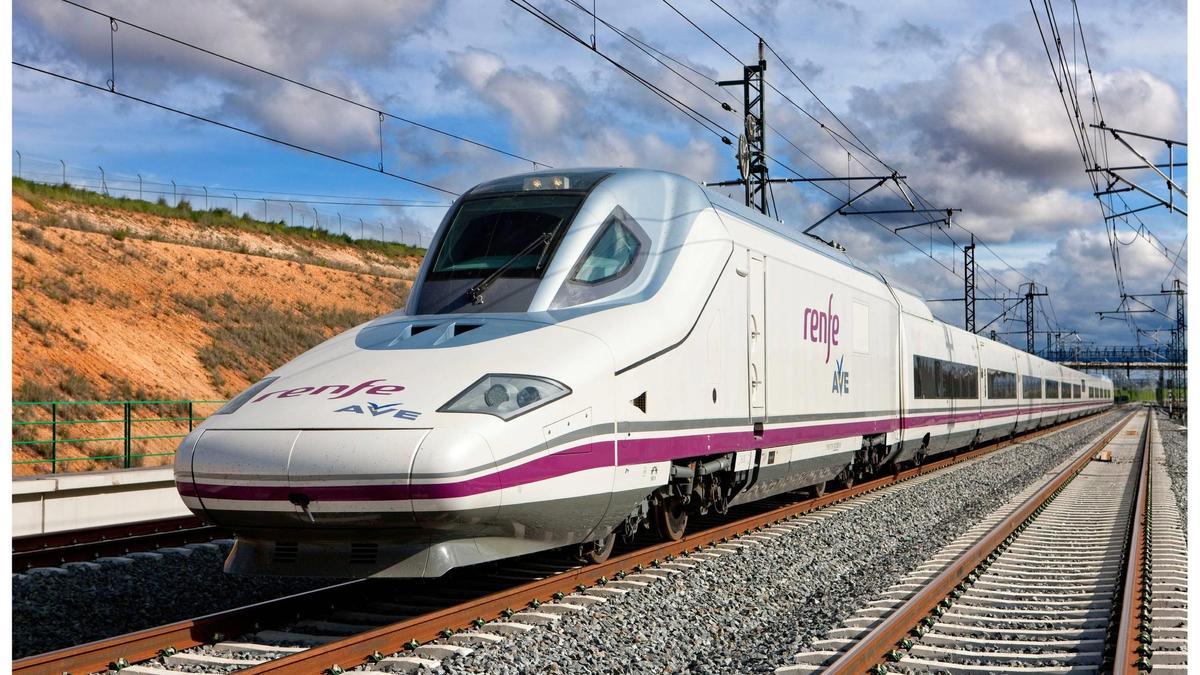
pixel 751 611
pixel 1174 438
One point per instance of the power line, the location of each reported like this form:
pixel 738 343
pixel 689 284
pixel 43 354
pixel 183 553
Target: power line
pixel 1093 149
pixel 798 78
pixel 307 86
pixel 232 127
pixel 857 143
pixel 696 116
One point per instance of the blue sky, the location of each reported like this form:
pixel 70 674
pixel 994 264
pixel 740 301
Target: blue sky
pixel 958 96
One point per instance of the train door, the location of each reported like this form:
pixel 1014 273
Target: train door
pixel 756 324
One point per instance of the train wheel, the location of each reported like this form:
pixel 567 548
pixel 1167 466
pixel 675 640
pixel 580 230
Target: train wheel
pixel 596 552
pixel 818 490
pixel 671 519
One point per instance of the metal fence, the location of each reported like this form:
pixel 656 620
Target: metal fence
pixel 88 435
pixel 294 209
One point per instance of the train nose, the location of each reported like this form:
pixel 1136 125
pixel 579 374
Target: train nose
pixel 305 479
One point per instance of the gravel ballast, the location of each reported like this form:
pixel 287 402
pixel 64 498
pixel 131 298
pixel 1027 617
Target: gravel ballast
pixel 751 611
pixel 1174 440
pixel 61 607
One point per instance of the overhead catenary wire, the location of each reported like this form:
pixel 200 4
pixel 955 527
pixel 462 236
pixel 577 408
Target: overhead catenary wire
pixel 305 85
pixel 1091 141
pixel 847 144
pixel 696 116
pixel 232 127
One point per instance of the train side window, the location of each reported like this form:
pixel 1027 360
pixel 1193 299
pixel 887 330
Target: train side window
pixel 925 377
pixel 610 256
pixel 1031 387
pixel 614 260
pixel 935 378
pixel 1001 385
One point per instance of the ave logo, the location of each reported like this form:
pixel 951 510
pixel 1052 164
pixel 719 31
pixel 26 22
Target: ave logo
pixel 378 409
pixel 841 377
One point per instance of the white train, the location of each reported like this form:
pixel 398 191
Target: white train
pixel 585 354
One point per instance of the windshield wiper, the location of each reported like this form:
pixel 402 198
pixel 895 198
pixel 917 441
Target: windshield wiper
pixel 475 293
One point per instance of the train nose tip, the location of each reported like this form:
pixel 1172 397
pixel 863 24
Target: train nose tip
pixel 290 479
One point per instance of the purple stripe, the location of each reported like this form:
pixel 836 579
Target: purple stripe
pixel 337 493
pixel 579 458
pixel 600 454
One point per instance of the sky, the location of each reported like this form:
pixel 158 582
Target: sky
pixel 958 97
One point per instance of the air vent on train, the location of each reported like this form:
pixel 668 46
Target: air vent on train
pixel 640 402
pixel 363 553
pixel 286 552
pixel 460 328
pixel 417 330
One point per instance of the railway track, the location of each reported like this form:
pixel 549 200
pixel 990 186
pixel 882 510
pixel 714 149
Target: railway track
pixel 358 622
pixel 58 548
pixel 1075 575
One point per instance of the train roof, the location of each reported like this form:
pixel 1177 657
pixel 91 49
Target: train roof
pixel 741 211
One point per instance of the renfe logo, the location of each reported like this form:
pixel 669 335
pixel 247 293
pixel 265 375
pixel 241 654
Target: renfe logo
pixel 822 326
pixel 335 391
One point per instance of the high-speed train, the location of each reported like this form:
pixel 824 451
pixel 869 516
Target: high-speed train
pixel 585 354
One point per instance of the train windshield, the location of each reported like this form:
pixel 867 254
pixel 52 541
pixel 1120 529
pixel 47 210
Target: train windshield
pixel 503 233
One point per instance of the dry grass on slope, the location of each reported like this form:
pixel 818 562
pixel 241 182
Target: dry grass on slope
pixel 111 304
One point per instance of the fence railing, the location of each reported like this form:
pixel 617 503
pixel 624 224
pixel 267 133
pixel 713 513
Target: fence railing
pixel 57 436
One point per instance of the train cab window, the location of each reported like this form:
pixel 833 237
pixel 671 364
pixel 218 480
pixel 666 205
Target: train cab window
pixel 611 255
pixel 519 231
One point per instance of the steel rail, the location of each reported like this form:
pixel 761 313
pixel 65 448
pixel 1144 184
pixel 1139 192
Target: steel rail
pixel 357 649
pixel 55 548
pixel 872 651
pixel 1134 595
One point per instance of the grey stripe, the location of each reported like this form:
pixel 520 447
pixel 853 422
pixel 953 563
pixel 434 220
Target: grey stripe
pixel 814 417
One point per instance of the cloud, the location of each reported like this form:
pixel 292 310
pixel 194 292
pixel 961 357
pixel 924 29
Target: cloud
pixel 550 118
pixel 996 108
pixel 538 104
pixel 908 35
pixel 309 40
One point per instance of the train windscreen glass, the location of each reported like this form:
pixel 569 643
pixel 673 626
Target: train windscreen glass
pixel 494 233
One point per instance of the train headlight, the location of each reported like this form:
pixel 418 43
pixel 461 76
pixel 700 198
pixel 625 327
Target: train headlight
pixel 506 396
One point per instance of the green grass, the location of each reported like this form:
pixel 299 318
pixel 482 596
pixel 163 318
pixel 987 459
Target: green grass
pixel 37 193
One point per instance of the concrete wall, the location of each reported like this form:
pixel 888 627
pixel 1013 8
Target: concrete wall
pixel 74 501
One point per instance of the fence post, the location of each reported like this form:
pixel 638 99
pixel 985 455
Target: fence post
pixel 128 430
pixel 53 438
pixel 191 417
